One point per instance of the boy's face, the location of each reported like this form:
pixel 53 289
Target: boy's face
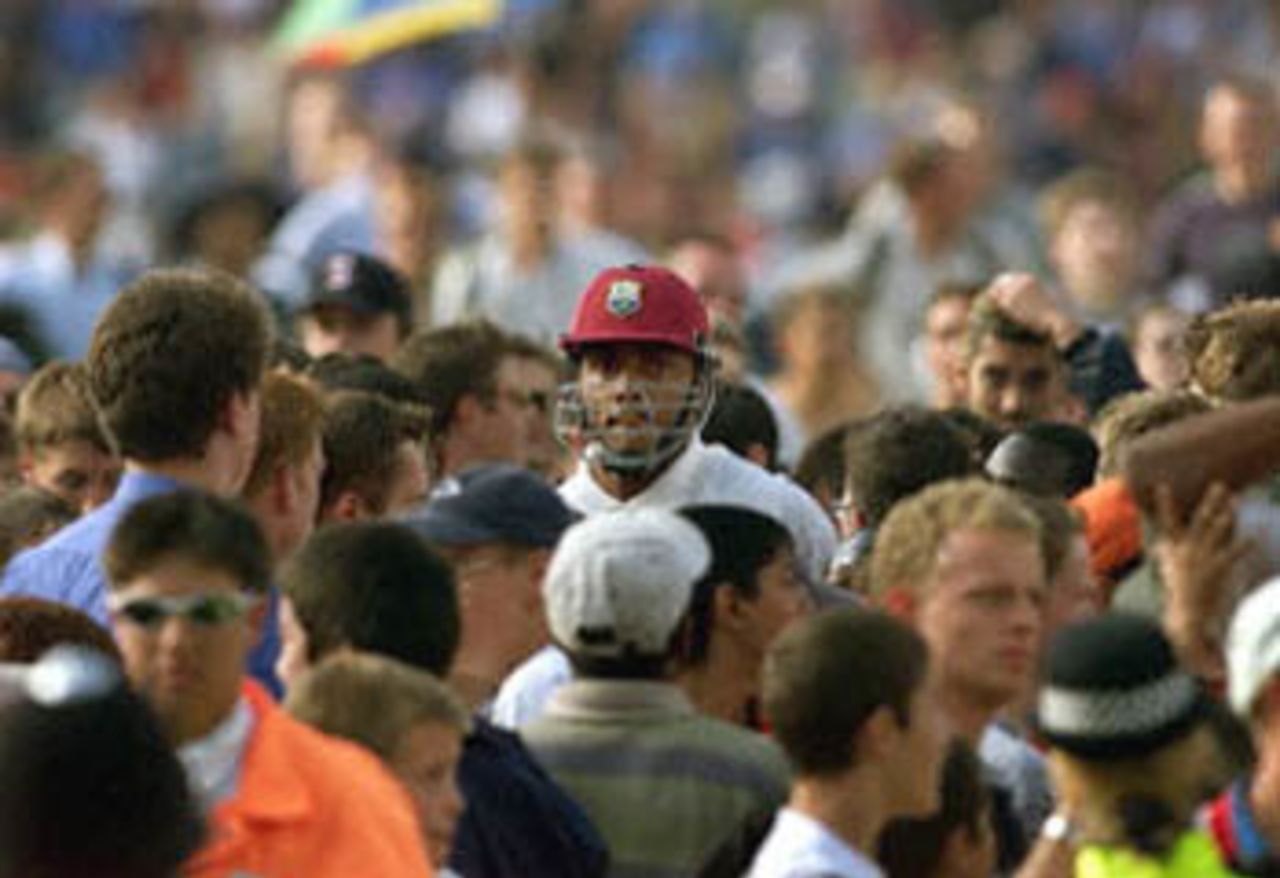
pixel 427 763
pixel 77 471
pixel 187 665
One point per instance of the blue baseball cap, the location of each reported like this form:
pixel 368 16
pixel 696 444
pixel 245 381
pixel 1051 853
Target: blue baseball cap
pixel 497 503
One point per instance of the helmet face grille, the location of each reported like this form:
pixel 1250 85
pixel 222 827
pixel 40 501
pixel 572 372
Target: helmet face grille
pixel 633 427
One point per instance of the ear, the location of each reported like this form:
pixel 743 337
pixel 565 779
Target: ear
pixel 758 454
pixel 727 608
pixel 239 415
pixel 901 602
pixel 877 736
pixel 467 410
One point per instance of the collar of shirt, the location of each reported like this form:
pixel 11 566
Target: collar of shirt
pixel 672 487
pixel 800 845
pixel 138 484
pixel 1252 851
pixel 639 700
pixel 213 762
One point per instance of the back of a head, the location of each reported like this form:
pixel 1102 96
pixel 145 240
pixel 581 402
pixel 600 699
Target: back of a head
pixel 363 434
pixel 1136 414
pixel 825 676
pixel 374 587
pixel 821 468
pixel 28 515
pixel 92 787
pixel 372 700
pixel 292 417
pixel 169 353
pixel 346 371
pixel 619 586
pixel 201 529
pixel 450 362
pixel 914 847
pixel 898 452
pixel 740 419
pixel 30 627
pixel 1045 458
pixel 1234 352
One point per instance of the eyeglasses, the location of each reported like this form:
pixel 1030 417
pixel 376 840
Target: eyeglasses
pixel 207 610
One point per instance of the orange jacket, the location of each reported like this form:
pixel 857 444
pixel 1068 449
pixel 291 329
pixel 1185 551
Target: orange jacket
pixel 309 806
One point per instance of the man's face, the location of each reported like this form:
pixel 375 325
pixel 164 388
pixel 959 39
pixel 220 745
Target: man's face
pixel 1011 384
pixel 426 761
pixel 782 599
pixel 189 671
pixel 633 392
pixel 412 481
pixel 532 385
pixel 1158 349
pixel 944 327
pixel 1095 252
pixel 329 329
pixel 496 432
pixel 981 613
pixel 716 275
pixel 77 471
pixel 1236 129
pixel 1073 594
pixel 304 479
pixel 500 603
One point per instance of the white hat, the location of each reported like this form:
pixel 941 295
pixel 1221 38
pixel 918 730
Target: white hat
pixel 1253 645
pixel 620 582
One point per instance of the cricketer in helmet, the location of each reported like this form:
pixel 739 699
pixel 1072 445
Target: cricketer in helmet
pixel 644 378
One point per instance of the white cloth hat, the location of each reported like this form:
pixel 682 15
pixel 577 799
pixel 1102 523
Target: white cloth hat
pixel 1253 645
pixel 620 582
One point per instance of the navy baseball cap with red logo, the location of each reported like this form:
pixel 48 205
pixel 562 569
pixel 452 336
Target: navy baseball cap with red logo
pixel 644 304
pixel 361 283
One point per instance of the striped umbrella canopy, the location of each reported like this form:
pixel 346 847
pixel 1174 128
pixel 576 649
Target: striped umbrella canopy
pixel 348 32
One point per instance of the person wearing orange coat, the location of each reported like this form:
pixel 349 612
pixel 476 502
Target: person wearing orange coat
pixel 187 573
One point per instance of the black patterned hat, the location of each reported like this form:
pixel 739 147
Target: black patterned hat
pixel 1113 690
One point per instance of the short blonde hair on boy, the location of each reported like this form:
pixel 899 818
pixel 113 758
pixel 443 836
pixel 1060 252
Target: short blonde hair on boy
pixel 373 700
pixel 56 407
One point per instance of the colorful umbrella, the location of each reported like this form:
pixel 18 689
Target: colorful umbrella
pixel 347 32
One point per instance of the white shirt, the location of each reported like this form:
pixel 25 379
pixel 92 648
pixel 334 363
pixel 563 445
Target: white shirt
pixel 213 762
pixel 704 474
pixel 523 696
pixel 800 847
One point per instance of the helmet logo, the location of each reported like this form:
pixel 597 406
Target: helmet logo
pixel 625 298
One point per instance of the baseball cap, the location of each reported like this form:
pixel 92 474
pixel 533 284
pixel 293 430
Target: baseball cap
pixel 620 582
pixel 366 285
pixel 496 503
pixel 644 304
pixel 1253 646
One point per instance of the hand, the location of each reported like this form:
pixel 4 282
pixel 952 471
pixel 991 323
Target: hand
pixel 1196 558
pixel 1024 299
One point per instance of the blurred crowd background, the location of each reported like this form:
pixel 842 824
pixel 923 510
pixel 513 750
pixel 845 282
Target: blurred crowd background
pixel 758 118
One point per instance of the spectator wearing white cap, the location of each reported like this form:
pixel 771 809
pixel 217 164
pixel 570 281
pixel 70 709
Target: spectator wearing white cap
pixel 664 785
pixel 1244 819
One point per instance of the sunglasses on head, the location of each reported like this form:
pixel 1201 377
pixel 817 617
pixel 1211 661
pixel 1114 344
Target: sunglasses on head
pixel 206 609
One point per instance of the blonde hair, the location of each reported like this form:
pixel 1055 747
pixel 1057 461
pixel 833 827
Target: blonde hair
pixel 1175 776
pixel 57 407
pixel 373 700
pixel 907 544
